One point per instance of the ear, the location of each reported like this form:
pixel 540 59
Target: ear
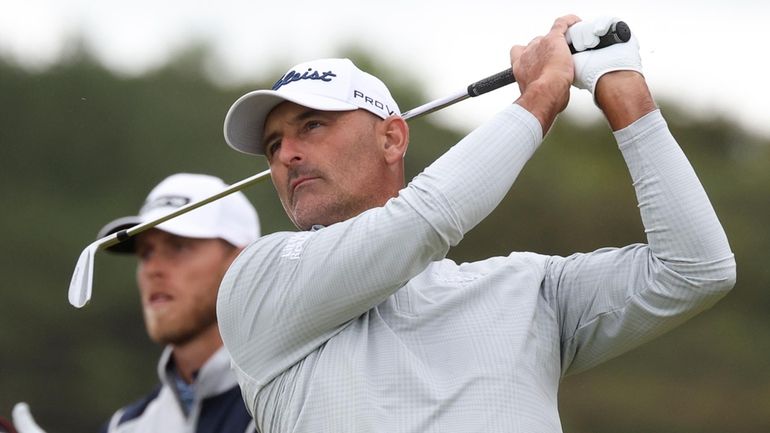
pixel 395 134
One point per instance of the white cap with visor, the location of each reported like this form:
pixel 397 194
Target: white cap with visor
pixel 325 85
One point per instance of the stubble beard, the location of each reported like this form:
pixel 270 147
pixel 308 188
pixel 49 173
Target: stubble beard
pixel 177 331
pixel 326 208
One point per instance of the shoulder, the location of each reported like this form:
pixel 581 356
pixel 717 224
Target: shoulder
pixel 131 411
pixel 135 409
pixel 224 412
pixel 255 261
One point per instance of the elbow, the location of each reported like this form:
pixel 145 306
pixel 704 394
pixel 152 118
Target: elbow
pixel 721 277
pixel 704 281
pixel 730 275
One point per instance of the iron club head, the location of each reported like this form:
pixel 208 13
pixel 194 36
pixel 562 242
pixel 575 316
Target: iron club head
pixel 83 276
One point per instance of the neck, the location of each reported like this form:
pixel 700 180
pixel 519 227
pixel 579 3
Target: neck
pixel 190 356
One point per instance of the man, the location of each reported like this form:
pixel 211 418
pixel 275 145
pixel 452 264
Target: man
pixel 180 267
pixel 360 324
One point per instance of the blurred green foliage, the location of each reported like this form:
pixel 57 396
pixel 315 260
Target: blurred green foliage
pixel 81 145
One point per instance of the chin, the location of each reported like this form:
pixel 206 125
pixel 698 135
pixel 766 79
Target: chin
pixel 174 338
pixel 162 333
pixel 329 216
pixel 303 221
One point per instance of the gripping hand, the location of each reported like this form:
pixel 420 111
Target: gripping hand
pixel 591 65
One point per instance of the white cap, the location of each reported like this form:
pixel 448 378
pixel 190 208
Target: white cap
pixel 325 84
pixel 231 218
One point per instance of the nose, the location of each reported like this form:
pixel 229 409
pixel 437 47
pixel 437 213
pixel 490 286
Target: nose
pixel 291 151
pixel 153 265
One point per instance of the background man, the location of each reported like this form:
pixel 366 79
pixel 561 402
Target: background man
pixel 180 267
pixel 359 323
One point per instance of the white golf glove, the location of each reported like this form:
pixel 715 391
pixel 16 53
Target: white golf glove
pixel 591 65
pixel 23 421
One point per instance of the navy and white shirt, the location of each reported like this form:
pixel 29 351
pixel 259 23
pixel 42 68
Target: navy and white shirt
pixel 211 404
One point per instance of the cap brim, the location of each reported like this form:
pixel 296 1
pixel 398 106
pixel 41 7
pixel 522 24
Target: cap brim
pixel 127 246
pixel 245 121
pixel 182 226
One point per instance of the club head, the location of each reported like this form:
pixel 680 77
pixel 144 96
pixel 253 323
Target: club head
pixel 83 277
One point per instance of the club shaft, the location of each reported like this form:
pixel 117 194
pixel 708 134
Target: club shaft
pixel 192 206
pixel 485 85
pixel 436 105
pixel 139 228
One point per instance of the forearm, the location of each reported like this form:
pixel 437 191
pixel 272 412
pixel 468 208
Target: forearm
pixel 674 207
pixel 680 223
pixel 538 100
pixel 624 98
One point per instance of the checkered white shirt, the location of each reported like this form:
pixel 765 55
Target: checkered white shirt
pixel 365 326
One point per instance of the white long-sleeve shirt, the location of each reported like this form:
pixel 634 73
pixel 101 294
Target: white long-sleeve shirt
pixel 365 326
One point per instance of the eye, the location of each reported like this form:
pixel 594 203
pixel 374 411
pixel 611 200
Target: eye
pixel 271 148
pixel 312 124
pixel 143 252
pixel 180 244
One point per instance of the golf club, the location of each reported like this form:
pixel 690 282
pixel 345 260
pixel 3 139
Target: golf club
pixel 82 278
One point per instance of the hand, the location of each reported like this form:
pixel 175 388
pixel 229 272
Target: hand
pixel 591 65
pixel 23 421
pixel 6 426
pixel 544 71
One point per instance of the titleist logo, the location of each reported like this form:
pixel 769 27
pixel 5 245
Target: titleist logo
pixel 310 74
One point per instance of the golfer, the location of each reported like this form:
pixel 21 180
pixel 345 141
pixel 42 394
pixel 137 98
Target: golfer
pixel 358 322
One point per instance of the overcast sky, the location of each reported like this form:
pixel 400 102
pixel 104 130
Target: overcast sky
pixel 707 54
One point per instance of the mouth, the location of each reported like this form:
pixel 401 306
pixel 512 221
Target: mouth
pixel 158 299
pixel 298 182
pixel 297 178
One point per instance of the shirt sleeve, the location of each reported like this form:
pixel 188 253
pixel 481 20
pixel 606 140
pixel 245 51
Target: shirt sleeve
pixel 290 292
pixel 612 300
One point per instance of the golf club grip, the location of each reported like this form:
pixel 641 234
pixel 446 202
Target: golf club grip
pixel 492 82
pixel 619 32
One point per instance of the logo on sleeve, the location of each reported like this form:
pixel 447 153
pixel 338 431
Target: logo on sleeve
pixel 293 248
